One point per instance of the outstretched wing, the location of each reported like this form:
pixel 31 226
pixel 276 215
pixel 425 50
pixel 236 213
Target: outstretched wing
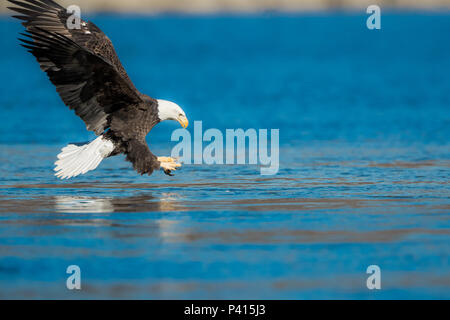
pixel 81 63
pixel 50 16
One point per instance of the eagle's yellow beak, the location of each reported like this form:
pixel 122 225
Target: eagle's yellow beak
pixel 183 121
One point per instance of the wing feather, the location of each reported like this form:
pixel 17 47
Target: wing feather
pixel 86 83
pixel 48 15
pixel 81 63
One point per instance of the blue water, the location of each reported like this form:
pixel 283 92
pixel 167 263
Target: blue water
pixel 364 119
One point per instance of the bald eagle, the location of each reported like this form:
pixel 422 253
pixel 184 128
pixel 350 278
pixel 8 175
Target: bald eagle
pixel 90 79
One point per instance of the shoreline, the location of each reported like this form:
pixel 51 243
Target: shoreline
pixel 262 13
pixel 193 7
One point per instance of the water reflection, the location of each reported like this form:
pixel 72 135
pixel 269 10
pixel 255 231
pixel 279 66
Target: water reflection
pixel 154 227
pixel 142 203
pixel 68 204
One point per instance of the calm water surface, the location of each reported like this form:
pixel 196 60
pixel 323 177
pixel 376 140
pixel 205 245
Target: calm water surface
pixel 364 165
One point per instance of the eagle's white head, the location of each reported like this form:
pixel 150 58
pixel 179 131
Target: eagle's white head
pixel 168 110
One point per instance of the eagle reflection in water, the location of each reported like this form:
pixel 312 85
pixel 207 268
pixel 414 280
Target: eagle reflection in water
pixel 144 203
pixel 100 210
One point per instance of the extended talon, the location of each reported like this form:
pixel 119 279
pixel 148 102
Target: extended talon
pixel 169 173
pixel 166 159
pixel 168 164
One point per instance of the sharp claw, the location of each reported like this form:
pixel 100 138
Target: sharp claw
pixel 168 165
pixel 168 173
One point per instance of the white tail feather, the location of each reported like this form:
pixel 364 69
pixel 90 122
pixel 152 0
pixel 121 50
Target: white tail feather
pixel 75 160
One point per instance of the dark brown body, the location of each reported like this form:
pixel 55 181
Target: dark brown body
pixel 132 143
